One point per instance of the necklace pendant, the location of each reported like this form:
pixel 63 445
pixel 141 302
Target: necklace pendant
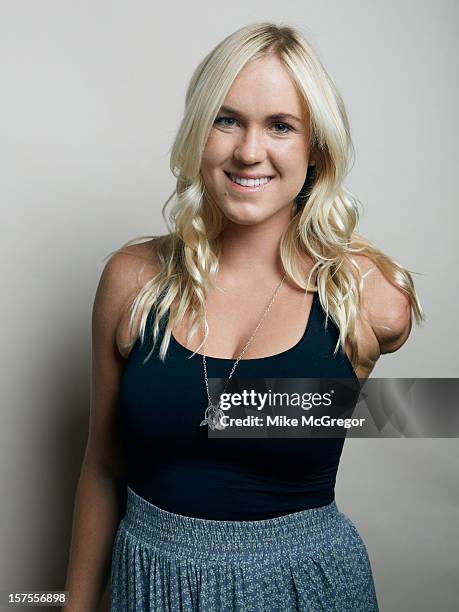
pixel 213 418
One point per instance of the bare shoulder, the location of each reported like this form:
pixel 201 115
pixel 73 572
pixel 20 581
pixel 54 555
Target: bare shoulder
pixel 136 259
pixel 127 270
pixel 385 306
pixel 125 273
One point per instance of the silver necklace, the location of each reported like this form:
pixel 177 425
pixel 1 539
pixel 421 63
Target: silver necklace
pixel 214 413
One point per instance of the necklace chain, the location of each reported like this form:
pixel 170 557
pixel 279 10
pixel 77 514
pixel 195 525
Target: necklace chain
pixel 213 413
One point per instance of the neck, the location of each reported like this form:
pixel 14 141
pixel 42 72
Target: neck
pixel 251 251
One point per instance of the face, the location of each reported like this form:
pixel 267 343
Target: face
pixel 253 137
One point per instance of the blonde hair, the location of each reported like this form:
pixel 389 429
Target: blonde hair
pixel 322 223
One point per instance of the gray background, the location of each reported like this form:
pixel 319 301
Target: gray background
pixel 92 95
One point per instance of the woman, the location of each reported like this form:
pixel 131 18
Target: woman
pixel 262 246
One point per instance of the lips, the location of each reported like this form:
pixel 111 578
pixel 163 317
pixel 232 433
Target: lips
pixel 228 174
pixel 247 189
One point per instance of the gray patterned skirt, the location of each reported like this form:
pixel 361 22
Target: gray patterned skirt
pixel 309 561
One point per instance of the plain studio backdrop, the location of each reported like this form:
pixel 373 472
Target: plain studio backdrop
pixel 92 96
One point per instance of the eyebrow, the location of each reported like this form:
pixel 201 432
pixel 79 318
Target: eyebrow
pixel 276 116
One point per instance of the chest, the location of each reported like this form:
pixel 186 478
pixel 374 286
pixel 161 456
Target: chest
pixel 233 321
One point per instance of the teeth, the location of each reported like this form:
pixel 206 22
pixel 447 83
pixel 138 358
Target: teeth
pixel 249 182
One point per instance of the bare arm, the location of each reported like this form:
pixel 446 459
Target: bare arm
pixel 100 495
pixel 385 307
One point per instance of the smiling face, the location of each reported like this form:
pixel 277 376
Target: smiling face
pixel 252 136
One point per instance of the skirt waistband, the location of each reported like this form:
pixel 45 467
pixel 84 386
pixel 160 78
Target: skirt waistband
pixel 154 525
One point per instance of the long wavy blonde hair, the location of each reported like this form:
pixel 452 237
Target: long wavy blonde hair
pixel 323 219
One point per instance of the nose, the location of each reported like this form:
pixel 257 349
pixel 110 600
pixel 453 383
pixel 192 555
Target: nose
pixel 251 148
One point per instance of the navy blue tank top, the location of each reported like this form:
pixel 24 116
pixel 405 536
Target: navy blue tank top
pixel 173 463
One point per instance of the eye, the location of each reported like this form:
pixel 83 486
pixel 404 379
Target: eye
pixel 221 119
pixel 289 129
